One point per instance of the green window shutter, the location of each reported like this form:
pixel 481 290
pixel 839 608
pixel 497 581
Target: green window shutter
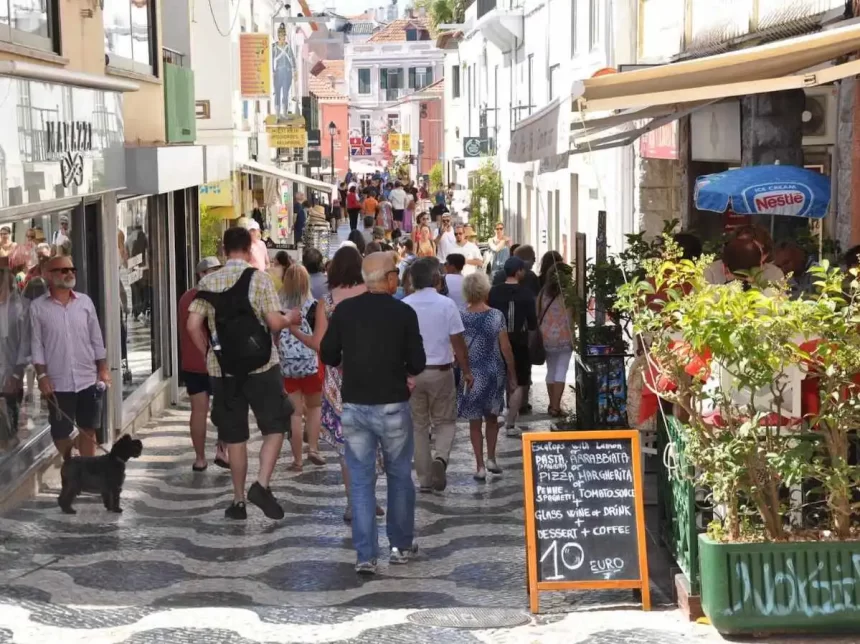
pixel 383 78
pixel 412 84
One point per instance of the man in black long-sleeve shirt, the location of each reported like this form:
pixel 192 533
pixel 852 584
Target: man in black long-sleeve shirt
pixel 377 340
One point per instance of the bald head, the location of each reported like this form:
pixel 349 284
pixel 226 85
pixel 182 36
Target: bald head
pixel 379 271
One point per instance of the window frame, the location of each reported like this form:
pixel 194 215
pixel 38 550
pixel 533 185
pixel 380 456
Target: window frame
pixel 129 64
pixel 362 119
pixel 574 41
pixel 594 16
pixel 369 81
pixel 455 81
pixel 530 70
pixel 50 43
pixel 393 121
pixel 552 86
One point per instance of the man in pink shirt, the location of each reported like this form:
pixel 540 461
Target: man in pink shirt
pixel 259 252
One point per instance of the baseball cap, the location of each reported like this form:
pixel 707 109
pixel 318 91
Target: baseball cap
pixel 207 264
pixel 514 265
pixel 253 225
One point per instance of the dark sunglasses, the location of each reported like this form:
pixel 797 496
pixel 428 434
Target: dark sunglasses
pixel 65 271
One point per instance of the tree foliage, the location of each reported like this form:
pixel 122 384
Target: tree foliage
pixel 443 11
pixel 486 198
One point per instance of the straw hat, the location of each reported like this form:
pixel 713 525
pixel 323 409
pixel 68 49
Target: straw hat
pixel 316 216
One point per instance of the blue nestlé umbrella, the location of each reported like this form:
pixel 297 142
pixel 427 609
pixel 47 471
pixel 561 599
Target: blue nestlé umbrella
pixel 765 190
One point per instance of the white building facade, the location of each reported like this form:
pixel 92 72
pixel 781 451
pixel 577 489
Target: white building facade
pixel 393 63
pixel 515 58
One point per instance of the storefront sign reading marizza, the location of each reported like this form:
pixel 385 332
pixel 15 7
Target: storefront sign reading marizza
pixel 68 140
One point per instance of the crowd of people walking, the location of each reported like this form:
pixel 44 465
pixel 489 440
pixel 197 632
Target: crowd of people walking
pixel 377 352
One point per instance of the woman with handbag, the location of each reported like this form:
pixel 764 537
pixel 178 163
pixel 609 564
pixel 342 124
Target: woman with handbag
pixel 555 334
pixel 301 368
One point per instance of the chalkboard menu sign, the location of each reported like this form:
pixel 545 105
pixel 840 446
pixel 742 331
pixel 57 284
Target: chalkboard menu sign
pixel 584 512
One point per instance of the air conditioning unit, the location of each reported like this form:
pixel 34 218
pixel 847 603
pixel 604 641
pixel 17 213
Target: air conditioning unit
pixel 819 116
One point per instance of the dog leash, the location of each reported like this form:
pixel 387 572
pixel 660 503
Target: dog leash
pixel 53 401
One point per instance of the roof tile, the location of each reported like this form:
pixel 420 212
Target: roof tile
pixel 396 31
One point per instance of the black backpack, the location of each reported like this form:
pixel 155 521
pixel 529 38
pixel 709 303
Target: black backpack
pixel 244 345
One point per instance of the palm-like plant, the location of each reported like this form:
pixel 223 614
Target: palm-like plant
pixel 444 11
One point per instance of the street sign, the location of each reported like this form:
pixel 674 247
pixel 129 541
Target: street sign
pixel 287 137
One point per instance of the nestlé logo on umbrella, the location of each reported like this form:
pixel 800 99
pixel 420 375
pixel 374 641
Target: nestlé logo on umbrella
pixel 787 199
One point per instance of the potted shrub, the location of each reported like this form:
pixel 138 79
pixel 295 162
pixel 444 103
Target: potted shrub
pixel 768 387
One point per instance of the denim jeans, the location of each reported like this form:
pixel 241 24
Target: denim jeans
pixel 364 428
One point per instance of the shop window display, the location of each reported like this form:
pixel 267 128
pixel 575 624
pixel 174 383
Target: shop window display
pixel 25 248
pixel 139 336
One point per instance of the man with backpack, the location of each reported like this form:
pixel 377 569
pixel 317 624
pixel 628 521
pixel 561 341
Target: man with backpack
pixel 241 308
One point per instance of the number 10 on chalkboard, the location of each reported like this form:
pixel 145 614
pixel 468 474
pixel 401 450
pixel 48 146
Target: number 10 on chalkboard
pixel 585 525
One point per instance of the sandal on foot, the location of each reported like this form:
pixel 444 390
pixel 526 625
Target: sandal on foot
pixel 220 462
pixel 199 468
pixel 295 467
pixel 315 458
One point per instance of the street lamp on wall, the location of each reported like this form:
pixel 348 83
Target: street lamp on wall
pixel 332 132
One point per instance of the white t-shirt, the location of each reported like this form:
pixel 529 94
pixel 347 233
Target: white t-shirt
pixel 398 199
pixel 455 289
pixel 446 244
pixel 438 320
pixel 469 250
pixel 716 273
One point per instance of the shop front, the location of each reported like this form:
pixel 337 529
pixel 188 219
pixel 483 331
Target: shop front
pixel 61 165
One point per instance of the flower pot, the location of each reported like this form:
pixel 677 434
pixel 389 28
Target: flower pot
pixel 808 587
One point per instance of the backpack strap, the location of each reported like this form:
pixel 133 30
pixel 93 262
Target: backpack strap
pixel 244 281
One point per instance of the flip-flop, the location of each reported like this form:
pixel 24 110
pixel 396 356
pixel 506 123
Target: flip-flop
pixel 199 468
pixel 315 458
pixel 220 462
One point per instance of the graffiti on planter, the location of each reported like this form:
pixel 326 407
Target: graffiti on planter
pixel 784 592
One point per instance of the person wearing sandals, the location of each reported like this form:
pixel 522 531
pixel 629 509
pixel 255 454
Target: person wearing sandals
pixel 300 366
pixel 490 358
pixel 196 378
pixel 344 281
pixel 554 323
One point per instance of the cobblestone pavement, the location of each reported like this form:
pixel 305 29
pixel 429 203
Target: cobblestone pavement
pixel 170 569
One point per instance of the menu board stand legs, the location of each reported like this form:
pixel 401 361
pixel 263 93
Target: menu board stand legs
pixel 584 513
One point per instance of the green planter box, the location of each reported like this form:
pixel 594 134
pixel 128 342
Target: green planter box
pixel 781 587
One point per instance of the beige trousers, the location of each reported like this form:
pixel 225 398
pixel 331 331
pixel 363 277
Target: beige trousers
pixel 434 403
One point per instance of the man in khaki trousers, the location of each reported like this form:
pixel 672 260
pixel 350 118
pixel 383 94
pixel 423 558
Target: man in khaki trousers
pixel 434 399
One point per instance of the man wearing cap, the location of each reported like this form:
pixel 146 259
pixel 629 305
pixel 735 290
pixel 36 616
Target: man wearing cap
pixel 517 304
pixel 259 252
pixel 193 367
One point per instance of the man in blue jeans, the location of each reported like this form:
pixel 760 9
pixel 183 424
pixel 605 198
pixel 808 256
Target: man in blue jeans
pixel 376 339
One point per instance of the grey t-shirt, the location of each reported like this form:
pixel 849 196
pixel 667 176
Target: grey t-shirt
pixel 319 285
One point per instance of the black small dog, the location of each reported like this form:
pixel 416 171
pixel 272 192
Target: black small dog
pixel 98 474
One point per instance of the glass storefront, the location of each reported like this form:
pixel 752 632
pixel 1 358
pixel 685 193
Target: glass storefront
pixel 25 246
pixel 137 239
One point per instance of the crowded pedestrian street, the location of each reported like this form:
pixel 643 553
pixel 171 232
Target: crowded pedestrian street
pixel 169 569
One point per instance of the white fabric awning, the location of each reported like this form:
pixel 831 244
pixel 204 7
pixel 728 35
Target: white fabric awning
pixel 253 167
pixel 646 99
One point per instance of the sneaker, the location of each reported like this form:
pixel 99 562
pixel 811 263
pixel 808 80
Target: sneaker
pixel 480 475
pixel 366 567
pixel 493 467
pixel 237 511
pixel 513 432
pixel 263 498
pixel 439 481
pixel 400 557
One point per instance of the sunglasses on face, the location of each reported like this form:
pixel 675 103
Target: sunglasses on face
pixel 65 271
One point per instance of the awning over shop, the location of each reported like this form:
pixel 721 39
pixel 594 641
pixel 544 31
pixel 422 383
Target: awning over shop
pixel 647 99
pixel 252 167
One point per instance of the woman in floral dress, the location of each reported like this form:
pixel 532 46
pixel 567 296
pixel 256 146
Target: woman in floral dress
pixel 489 353
pixel 344 282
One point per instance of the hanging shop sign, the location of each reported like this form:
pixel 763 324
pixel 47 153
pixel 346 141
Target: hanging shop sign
pixel 399 142
pixel 472 147
pixel 661 143
pixel 287 137
pixel 216 194
pixel 537 136
pixel 255 79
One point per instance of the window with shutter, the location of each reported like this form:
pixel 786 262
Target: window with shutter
pixel 383 78
pixel 412 84
pixel 429 75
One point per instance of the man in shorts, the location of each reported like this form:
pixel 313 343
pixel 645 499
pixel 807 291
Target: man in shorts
pixel 193 373
pixel 68 353
pixel 261 390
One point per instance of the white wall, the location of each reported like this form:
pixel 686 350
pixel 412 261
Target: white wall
pixel 605 179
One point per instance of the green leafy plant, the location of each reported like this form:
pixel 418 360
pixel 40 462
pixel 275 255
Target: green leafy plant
pixel 444 11
pixel 486 199
pixel 728 356
pixel 437 177
pixel 211 231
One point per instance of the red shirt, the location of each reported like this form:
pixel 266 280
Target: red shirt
pixel 352 201
pixel 190 359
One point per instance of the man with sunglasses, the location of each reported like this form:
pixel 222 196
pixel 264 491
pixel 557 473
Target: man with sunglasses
pixel 467 249
pixel 68 353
